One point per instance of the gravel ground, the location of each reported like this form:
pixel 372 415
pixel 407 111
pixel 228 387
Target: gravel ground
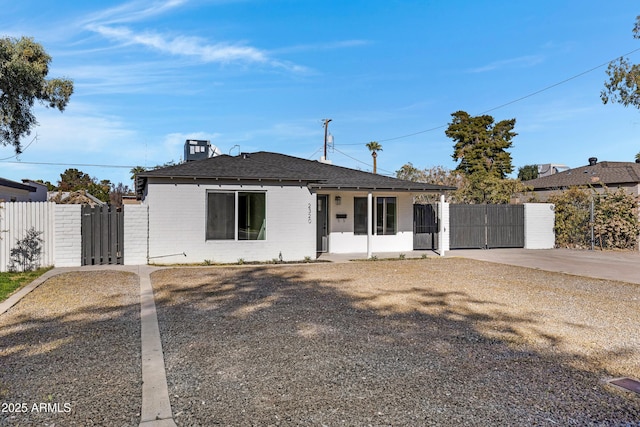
pixel 428 342
pixel 72 348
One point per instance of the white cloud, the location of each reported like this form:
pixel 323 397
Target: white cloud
pixel 520 62
pixel 322 46
pixel 185 46
pixel 133 11
pixel 107 24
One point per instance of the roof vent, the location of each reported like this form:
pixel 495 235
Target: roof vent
pixel 593 161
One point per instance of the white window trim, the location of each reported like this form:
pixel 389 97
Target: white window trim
pixel 236 215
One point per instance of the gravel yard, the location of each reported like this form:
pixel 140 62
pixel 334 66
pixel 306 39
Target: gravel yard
pixel 72 348
pixel 426 342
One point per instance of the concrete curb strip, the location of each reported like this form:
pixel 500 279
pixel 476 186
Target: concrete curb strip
pixel 156 407
pixel 17 296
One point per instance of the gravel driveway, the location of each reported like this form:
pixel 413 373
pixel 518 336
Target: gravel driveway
pixel 70 353
pixel 424 342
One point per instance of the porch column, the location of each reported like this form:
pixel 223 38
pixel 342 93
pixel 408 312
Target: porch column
pixel 369 226
pixel 443 229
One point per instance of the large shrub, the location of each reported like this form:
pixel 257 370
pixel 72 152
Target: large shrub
pixel 572 208
pixel 615 223
pixel 615 219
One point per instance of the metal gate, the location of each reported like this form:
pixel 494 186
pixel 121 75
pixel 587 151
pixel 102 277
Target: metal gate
pixel 425 226
pixel 486 226
pixel 102 235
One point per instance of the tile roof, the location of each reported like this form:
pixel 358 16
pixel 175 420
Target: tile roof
pixel 280 167
pixel 607 173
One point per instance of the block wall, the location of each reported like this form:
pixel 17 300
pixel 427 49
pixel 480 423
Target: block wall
pixel 539 221
pixel 68 236
pixel 136 234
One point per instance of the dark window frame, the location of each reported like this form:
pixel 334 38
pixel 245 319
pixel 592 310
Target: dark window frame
pixel 236 220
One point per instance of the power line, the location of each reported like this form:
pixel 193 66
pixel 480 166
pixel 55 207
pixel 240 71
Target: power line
pixel 71 164
pixel 513 101
pixel 35 138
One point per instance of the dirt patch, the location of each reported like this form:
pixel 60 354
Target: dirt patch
pixel 429 342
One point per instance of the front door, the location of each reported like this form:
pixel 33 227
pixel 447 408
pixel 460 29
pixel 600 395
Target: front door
pixel 322 222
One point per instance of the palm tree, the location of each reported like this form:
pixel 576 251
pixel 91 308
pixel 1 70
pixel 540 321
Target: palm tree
pixel 374 147
pixel 638 157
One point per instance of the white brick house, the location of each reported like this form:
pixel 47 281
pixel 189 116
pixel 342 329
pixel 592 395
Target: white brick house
pixel 264 206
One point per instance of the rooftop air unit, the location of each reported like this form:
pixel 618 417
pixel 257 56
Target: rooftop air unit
pixel 198 149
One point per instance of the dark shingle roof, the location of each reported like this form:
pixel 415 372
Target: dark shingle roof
pixel 280 167
pixel 12 184
pixel 607 173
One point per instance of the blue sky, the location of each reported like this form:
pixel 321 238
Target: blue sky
pixel 262 74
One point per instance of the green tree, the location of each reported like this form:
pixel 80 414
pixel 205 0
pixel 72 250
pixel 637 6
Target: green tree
pixel 623 85
pixel 438 175
pixel 24 66
pixel 76 180
pixel 527 172
pixel 73 179
pixel 374 147
pixel 100 189
pixel 481 144
pixel 135 171
pixel 484 187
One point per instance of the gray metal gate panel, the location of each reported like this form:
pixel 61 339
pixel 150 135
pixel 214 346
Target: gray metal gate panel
pixel 425 226
pixel 486 226
pixel 102 236
pixel 505 226
pixel 467 226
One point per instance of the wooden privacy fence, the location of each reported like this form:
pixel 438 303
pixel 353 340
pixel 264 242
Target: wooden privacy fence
pixel 102 235
pixel 486 226
pixel 16 218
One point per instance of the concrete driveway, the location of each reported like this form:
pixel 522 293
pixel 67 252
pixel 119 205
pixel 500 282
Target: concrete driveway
pixel 611 265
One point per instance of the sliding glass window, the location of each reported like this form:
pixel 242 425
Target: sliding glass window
pixel 224 224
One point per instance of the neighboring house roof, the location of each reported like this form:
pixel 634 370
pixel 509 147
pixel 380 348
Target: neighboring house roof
pixel 265 166
pixel 17 185
pixel 602 173
pixel 80 197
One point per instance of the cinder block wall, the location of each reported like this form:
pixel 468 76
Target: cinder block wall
pixel 136 234
pixel 444 237
pixel 539 221
pixel 68 236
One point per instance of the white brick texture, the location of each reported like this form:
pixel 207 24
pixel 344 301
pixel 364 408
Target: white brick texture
pixel 68 236
pixel 136 234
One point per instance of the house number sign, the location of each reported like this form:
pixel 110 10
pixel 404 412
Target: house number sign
pixel 309 218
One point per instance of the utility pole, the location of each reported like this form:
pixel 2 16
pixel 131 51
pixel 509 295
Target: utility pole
pixel 326 125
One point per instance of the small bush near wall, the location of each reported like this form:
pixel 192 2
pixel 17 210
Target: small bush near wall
pixel 25 256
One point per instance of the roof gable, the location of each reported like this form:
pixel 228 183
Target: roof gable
pixel 602 173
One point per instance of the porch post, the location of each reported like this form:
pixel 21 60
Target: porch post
pixel 442 227
pixel 369 226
